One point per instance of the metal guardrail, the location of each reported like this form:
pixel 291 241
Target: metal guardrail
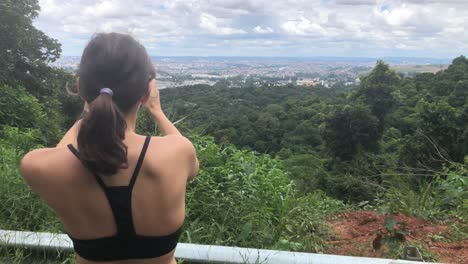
pixel 200 253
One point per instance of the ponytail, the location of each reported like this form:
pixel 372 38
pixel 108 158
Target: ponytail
pixel 117 61
pixel 101 135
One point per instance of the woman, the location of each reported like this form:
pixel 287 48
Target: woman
pixel 120 196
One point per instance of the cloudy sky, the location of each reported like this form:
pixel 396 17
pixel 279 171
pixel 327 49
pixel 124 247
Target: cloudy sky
pixel 296 28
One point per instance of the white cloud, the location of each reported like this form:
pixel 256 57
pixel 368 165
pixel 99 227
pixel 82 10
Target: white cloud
pixel 75 29
pixel 263 30
pixel 211 26
pixel 355 2
pixel 397 16
pixel 303 27
pixel 105 9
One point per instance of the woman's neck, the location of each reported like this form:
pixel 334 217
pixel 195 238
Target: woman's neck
pixel 130 119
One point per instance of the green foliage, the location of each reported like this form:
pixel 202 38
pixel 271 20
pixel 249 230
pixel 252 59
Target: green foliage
pixel 19 255
pixel 20 208
pixel 443 126
pixel 351 129
pixel 24 54
pixel 377 89
pixel 451 191
pixel 243 199
pixel 20 109
pixel 308 171
pixel 265 119
pixel 444 197
pixel 19 140
pixel 411 203
pixel 458 231
pixel 24 50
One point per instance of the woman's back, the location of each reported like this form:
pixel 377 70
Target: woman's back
pixel 119 195
pixel 157 199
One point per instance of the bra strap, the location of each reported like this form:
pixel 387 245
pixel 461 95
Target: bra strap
pixel 77 154
pixel 74 151
pixel 140 161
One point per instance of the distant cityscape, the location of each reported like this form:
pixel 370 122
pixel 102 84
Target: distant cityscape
pixel 241 71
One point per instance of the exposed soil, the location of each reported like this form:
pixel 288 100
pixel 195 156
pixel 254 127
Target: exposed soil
pixel 357 234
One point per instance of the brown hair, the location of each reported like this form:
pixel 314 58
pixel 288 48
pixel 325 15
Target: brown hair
pixel 119 62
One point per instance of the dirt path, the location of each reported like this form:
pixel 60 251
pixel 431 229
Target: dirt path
pixel 356 232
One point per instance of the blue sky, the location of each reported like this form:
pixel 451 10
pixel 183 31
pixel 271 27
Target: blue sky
pixel 291 28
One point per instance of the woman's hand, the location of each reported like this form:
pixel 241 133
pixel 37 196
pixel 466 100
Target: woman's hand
pixel 153 102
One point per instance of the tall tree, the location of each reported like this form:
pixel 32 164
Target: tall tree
pixel 24 50
pixel 350 129
pixel 25 53
pixel 377 87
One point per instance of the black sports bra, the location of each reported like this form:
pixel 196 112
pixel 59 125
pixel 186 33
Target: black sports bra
pixel 126 244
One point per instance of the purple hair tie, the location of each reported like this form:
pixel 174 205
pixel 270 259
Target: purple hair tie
pixel 107 91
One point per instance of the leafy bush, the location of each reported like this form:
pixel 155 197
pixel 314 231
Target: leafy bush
pixel 18 108
pixel 20 208
pixel 308 172
pixel 451 191
pixel 444 197
pixel 244 199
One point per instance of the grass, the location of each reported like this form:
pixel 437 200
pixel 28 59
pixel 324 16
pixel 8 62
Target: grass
pixel 458 231
pixel 27 255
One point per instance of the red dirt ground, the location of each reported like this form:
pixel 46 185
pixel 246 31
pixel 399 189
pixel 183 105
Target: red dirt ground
pixel 355 232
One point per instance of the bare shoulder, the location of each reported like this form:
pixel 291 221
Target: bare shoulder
pixel 33 162
pixel 37 165
pixel 176 144
pixel 174 153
